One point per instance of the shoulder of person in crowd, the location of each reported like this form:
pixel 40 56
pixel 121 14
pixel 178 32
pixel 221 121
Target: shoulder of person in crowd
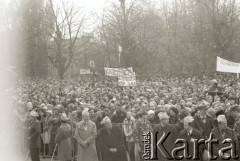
pixel 79 123
pixel 34 122
pixel 54 119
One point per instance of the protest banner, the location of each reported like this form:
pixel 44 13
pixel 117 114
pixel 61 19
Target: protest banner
pixel 114 72
pixel 126 72
pixel 85 71
pixel 227 66
pixel 127 80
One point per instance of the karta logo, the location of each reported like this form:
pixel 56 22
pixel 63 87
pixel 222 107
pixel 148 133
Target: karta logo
pixel 181 148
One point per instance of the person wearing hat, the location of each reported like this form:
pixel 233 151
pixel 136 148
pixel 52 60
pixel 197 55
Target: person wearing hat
pixel 200 121
pixel 128 125
pixel 111 141
pixel 34 136
pixel 85 134
pixel 173 119
pixel 63 140
pixel 215 89
pixel 220 133
pixel 54 123
pixel 151 117
pixel 142 125
pixel 189 133
pixel 182 114
pixel 232 115
pixel 237 127
pixel 160 129
pixel 211 117
pixel 119 116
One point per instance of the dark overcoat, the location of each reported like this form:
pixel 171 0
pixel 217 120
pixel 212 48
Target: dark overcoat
pixel 229 134
pixel 112 140
pixel 168 144
pixel 189 138
pixel 34 134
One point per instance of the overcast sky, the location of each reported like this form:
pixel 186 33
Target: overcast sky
pixel 95 6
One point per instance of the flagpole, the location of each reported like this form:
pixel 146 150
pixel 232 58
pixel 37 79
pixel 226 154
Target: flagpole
pixel 119 54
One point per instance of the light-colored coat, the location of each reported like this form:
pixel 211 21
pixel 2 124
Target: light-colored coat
pixel 86 132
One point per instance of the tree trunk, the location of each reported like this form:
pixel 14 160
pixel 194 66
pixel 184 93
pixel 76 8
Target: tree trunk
pixel 108 55
pixel 61 73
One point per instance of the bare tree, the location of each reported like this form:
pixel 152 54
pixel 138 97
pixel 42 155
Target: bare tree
pixel 62 34
pixel 118 26
pixel 224 20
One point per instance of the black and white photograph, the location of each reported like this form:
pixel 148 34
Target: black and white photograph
pixel 119 80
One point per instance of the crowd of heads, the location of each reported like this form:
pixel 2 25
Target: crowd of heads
pixel 170 99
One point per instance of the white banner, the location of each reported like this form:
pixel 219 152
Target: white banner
pixel 123 72
pixel 85 71
pixel 127 80
pixel 227 66
pixel 115 72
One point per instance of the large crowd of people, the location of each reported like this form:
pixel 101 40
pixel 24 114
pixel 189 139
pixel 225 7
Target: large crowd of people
pixel 95 119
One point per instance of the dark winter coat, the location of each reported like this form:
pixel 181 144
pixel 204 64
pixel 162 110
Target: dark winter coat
pixel 189 139
pixel 113 140
pixel 34 134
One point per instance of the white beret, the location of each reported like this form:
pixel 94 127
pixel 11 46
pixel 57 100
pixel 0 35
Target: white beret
pixel 222 118
pixel 85 112
pixel 188 119
pixel 33 114
pixel 150 112
pixel 163 115
pixel 105 120
pixel 214 81
pixel 49 111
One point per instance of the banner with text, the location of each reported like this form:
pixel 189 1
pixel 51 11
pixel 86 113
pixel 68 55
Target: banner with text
pixel 227 66
pixel 85 71
pixel 115 72
pixel 127 79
